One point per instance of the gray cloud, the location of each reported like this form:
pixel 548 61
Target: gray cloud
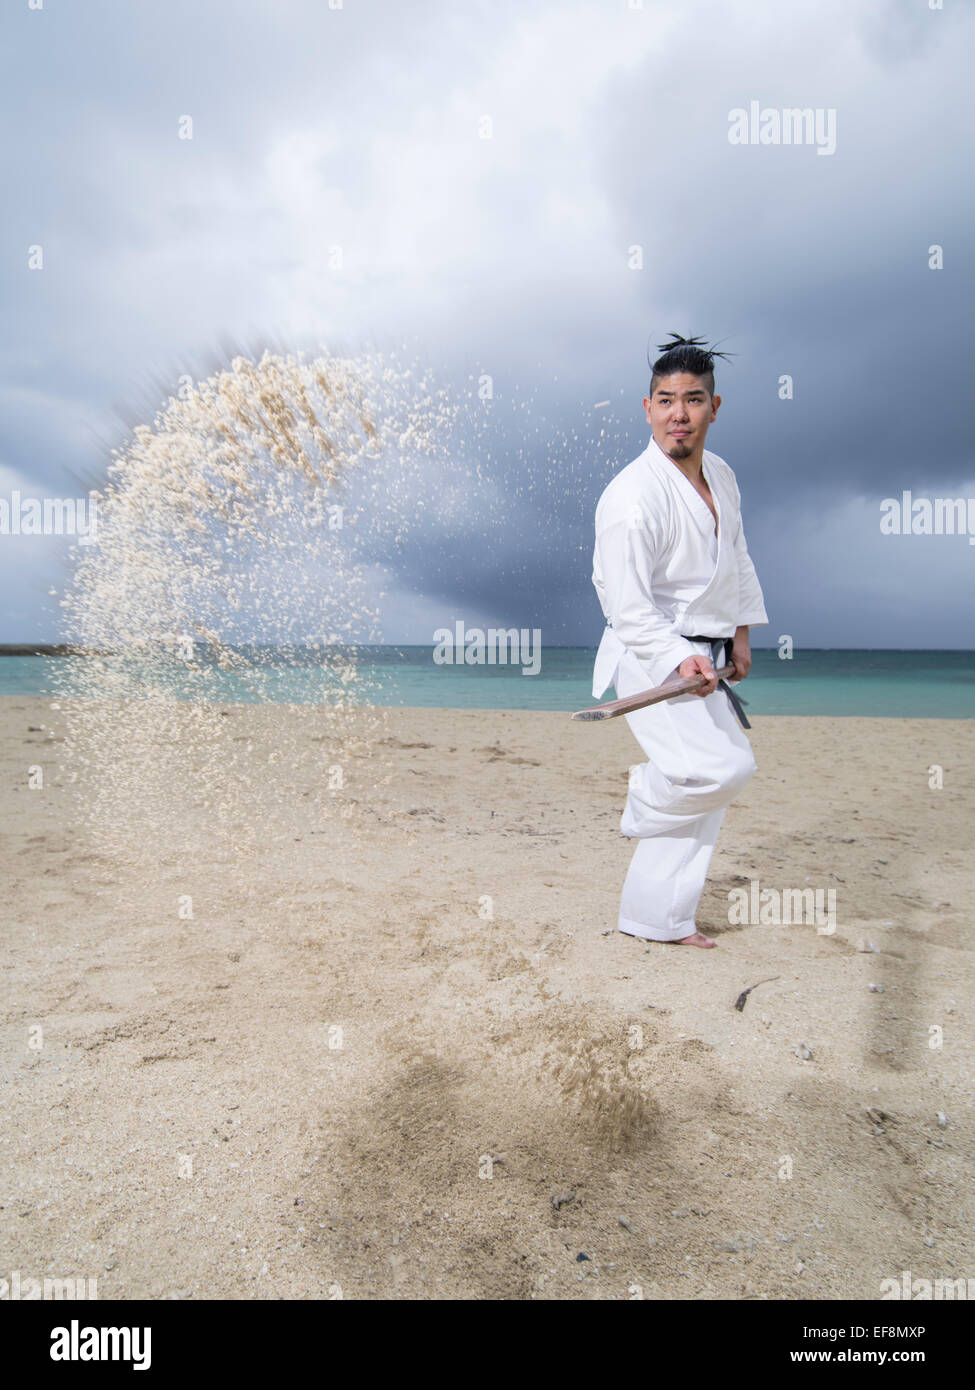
pixel 508 256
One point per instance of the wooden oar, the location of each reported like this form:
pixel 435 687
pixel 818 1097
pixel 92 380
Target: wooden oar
pixel 667 691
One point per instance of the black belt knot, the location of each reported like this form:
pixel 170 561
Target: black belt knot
pixel 737 704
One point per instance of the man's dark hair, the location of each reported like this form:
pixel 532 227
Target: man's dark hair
pixel 685 355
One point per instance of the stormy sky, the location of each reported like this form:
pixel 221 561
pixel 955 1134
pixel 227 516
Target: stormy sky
pixel 607 206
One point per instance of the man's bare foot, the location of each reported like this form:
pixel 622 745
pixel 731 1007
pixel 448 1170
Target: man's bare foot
pixel 698 939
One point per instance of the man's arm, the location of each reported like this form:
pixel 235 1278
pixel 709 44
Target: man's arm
pixel 751 603
pixel 741 653
pixel 625 551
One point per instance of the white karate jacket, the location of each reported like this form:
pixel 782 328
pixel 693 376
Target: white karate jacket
pixel 655 569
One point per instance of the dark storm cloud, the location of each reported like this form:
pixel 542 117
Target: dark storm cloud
pixel 509 257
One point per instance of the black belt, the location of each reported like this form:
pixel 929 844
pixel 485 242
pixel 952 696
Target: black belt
pixel 736 703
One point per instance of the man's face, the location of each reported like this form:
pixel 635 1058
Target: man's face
pixel 679 412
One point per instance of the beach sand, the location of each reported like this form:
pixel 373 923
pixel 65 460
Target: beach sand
pixel 410 1056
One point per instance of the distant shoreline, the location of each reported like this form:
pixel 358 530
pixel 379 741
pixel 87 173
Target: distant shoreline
pixel 40 649
pixel 71 649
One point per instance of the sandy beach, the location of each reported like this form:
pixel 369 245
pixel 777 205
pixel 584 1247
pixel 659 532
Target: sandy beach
pixel 407 1055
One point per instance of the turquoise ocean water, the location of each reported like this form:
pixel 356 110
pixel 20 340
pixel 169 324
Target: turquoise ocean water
pixel 924 684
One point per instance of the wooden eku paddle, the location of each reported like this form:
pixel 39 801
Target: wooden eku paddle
pixel 667 691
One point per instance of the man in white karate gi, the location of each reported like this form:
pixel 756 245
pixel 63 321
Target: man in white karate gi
pixel 679 592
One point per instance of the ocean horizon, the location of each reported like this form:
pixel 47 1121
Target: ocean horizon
pixel 833 681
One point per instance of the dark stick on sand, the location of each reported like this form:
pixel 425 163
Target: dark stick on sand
pixel 740 1001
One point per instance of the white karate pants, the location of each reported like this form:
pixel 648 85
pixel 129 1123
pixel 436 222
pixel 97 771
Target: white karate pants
pixel 700 759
